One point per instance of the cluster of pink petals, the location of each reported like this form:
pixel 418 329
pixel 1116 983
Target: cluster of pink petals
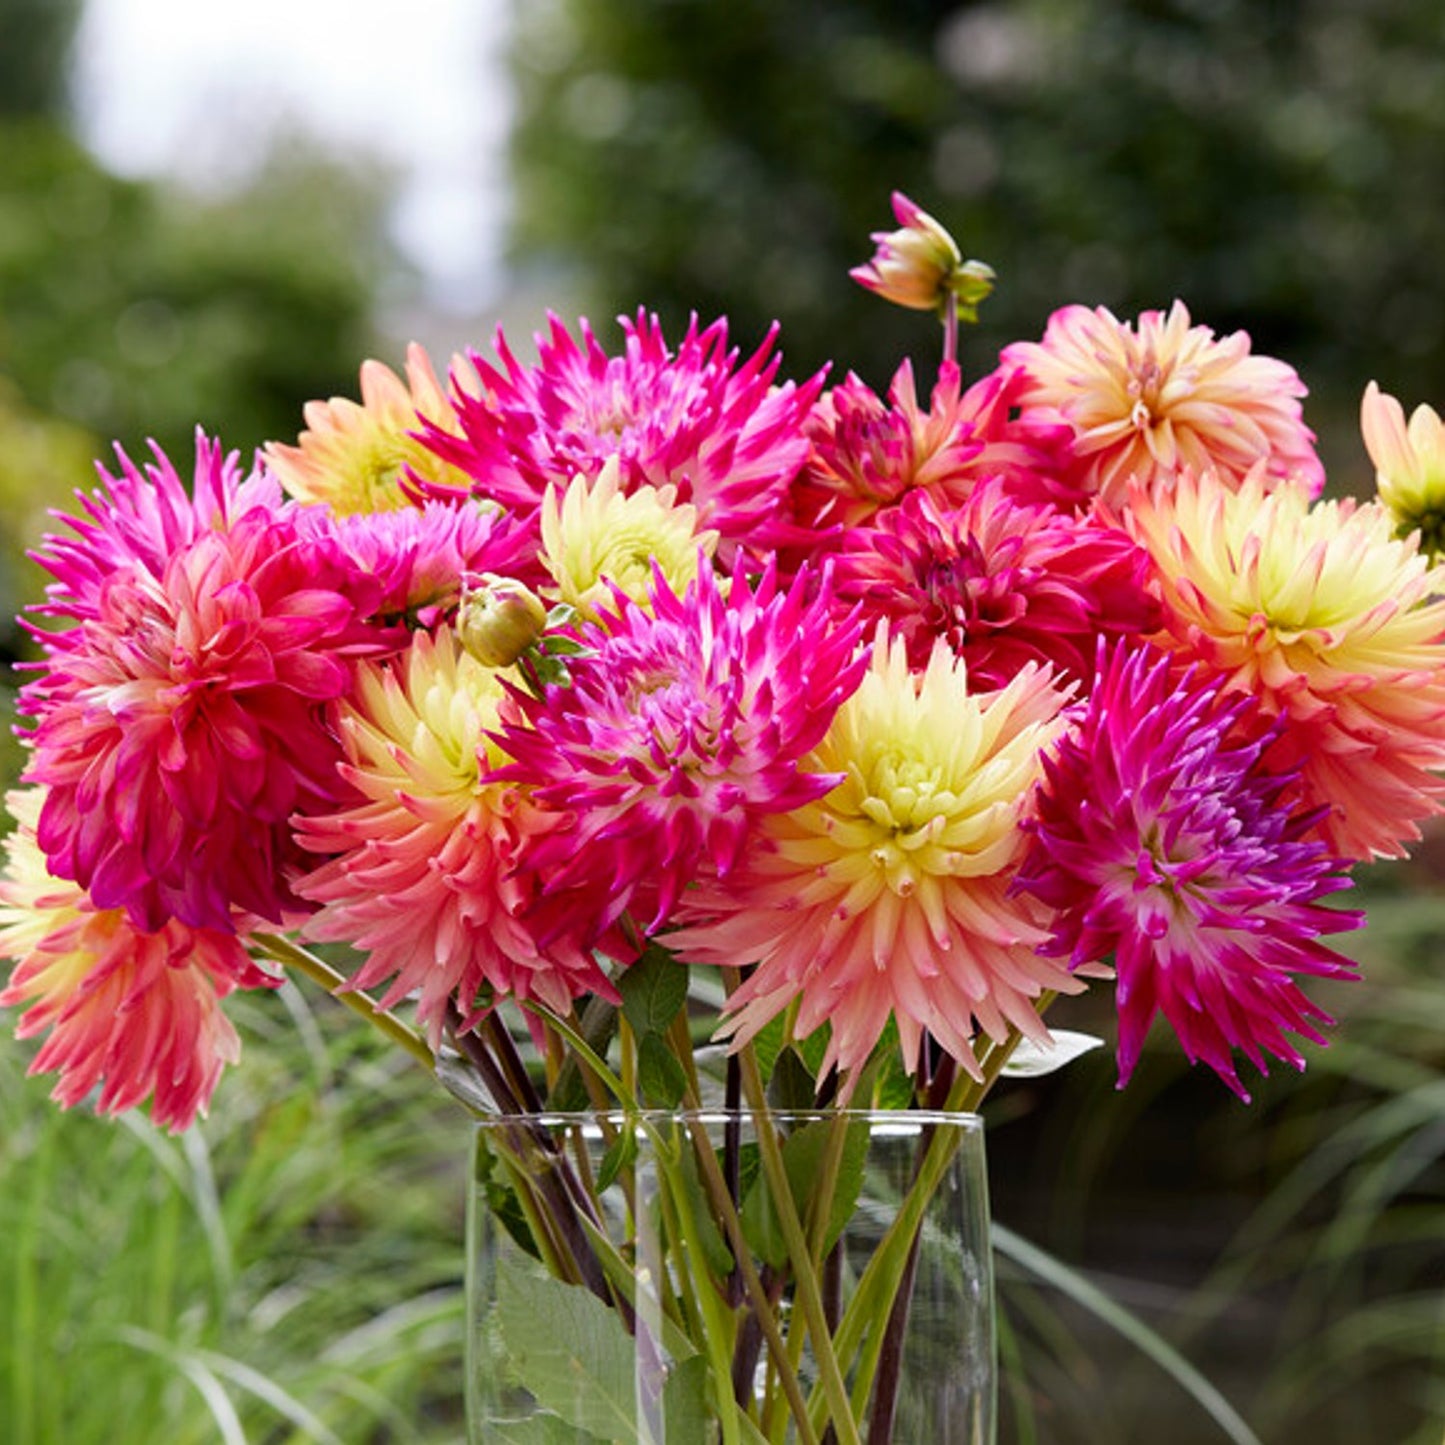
pixel 135 1014
pixel 1002 582
pixel 422 861
pixel 1142 403
pixel 1162 840
pixel 688 721
pixel 719 431
pixel 182 723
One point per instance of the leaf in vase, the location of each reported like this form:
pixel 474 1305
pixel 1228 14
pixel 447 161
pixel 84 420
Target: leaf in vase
pixel 653 990
pixel 539 1430
pixel 660 1075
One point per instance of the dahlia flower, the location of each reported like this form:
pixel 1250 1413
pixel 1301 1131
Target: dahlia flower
pixel 137 1013
pixel 422 854
pixel 596 540
pixel 889 896
pixel 352 458
pixel 1162 840
pixel 1333 622
pixel 721 433
pixel 1001 582
pixel 182 723
pixel 1144 403
pixel 920 266
pixel 685 724
pixel 1410 465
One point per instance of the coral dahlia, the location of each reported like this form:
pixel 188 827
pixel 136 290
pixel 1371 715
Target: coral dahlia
pixel 420 859
pixel 1163 841
pixel 1142 403
pixel 889 896
pixel 137 1013
pixel 1334 623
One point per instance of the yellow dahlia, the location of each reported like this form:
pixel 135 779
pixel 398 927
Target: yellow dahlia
pixel 1410 465
pixel 1332 621
pixel 595 536
pixel 352 457
pixel 890 895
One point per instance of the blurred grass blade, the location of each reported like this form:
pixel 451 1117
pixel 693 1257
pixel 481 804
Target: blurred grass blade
pixel 1070 1282
pixel 211 1390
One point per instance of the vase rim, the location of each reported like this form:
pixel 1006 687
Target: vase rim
pixel 900 1121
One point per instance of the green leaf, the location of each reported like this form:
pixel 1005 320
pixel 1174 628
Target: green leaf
pixel 653 990
pixel 570 1350
pixel 767 1044
pixel 812 1049
pixel 803 1154
pixel 660 1074
pixel 502 1201
pixel 684 1402
pixel 541 1429
pixel 619 1156
pixel 792 1085
pixel 714 1247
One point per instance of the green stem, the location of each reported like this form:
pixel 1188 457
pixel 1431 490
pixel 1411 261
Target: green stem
pixel 810 1296
pixel 282 950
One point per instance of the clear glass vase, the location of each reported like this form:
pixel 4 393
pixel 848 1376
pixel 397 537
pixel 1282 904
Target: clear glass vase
pixel 685 1278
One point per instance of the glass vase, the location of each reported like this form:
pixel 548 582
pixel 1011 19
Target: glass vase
pixel 687 1278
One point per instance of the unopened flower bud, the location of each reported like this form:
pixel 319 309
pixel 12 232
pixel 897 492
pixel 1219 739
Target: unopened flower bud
pixel 500 620
pixel 920 265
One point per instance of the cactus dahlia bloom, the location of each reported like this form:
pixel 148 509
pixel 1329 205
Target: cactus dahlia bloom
pixel 721 433
pixel 179 727
pixel 595 540
pixel 1001 582
pixel 1409 465
pixel 1160 839
pixel 352 458
pixel 889 896
pixel 687 723
pixel 1144 403
pixel 1336 625
pixel 420 872
pixel 136 1013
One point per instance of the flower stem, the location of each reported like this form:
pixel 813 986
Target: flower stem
pixel 950 329
pixel 282 950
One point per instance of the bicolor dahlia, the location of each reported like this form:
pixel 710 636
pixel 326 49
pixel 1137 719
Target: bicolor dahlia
pixel 352 458
pixel 420 859
pixel 685 724
pixel 1409 465
pixel 596 539
pixel 1162 840
pixel 136 1013
pixel 1333 622
pixel 182 723
pixel 890 895
pixel 1001 582
pixel 1142 403
pixel 721 433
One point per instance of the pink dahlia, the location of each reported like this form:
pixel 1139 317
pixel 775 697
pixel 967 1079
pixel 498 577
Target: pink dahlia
pixel 136 1013
pixel 1001 582
pixel 1336 624
pixel 421 858
pixel 1161 840
pixel 687 723
pixel 721 433
pixel 183 722
pixel 889 895
pixel 866 453
pixel 1142 403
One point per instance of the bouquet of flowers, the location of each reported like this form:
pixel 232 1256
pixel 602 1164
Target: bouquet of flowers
pixel 599 725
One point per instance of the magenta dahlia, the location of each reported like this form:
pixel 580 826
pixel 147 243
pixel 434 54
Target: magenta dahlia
pixel 179 726
pixel 687 723
pixel 1161 841
pixel 1001 582
pixel 722 433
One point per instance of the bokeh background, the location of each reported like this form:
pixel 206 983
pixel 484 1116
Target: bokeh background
pixel 210 213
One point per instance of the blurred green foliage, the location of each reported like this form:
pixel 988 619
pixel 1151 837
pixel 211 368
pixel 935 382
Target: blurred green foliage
pixel 139 311
pixel 1271 164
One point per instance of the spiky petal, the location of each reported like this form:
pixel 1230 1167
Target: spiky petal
pixel 889 896
pixel 420 859
pixel 1333 622
pixel 179 726
pixel 719 432
pixel 1144 402
pixel 685 725
pixel 1162 840
pixel 135 1013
